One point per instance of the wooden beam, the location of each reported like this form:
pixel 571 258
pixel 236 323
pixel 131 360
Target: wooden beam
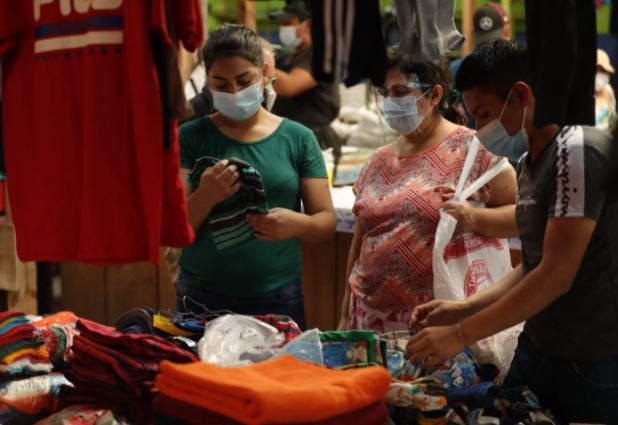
pixel 245 13
pixel 467 19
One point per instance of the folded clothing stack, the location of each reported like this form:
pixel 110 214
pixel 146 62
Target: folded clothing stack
pixel 117 371
pixel 284 390
pixel 22 350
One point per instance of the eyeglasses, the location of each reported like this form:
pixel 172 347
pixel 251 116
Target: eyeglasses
pixel 400 90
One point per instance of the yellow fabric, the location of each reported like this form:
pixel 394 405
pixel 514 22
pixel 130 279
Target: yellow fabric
pixel 38 352
pixel 164 324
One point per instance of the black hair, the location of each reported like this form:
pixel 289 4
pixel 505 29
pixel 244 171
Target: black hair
pixel 233 40
pixel 494 67
pixel 431 73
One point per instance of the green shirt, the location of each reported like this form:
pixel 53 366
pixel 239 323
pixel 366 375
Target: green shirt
pixel 256 267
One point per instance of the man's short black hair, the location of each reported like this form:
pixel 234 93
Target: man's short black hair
pixel 494 67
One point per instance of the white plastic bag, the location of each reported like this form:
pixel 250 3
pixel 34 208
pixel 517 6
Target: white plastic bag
pixel 236 340
pixel 471 262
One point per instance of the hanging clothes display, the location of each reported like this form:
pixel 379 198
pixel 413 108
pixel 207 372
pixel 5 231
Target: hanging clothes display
pixel 562 60
pixel 84 129
pixel 428 28
pixel 342 33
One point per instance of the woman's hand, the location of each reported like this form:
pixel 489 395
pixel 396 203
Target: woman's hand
pixel 219 182
pixel 439 313
pixel 463 213
pixel 279 224
pixel 433 346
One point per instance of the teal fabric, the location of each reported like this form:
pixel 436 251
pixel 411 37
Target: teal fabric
pixel 229 222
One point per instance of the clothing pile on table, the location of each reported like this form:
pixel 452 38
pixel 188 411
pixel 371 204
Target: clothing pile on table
pixel 117 371
pixel 31 347
pixel 22 350
pixel 186 329
pixel 282 390
pixel 458 392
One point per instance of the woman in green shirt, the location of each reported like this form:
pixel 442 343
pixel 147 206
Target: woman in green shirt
pixel 246 255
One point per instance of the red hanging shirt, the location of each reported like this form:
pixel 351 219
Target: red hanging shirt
pixel 83 133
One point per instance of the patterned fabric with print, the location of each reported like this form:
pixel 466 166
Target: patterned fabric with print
pixel 397 205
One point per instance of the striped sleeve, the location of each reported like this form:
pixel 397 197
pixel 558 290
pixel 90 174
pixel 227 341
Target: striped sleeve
pixel 578 190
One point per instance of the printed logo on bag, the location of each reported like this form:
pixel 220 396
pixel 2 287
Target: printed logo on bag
pixel 69 24
pixel 478 276
pixel 469 243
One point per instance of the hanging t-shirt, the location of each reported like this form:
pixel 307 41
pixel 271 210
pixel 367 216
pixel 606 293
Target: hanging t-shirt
pixel 83 132
pixel 282 159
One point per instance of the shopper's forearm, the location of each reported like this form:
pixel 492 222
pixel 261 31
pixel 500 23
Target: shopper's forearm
pixel 523 301
pixel 199 206
pixel 498 222
pixel 318 227
pixel 490 295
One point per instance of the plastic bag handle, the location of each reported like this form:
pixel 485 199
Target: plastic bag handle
pixel 489 175
pixel 484 179
pixel 467 168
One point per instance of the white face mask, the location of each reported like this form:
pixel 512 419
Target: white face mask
pixel 270 95
pixel 241 105
pixel 497 141
pixel 601 81
pixel 287 35
pixel 401 113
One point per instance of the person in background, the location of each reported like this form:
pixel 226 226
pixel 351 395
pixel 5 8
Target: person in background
pixel 490 23
pixel 566 287
pixel 605 99
pixel 261 274
pixel 300 96
pixel 400 192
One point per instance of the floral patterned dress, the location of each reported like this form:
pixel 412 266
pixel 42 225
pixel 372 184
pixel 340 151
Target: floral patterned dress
pixel 397 205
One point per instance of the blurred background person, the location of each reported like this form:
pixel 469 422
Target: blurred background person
pixel 605 99
pixel 300 97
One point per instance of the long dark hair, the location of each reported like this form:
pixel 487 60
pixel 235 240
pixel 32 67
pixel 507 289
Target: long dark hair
pixel 233 40
pixel 433 73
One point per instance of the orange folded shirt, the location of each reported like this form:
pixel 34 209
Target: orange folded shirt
pixel 282 390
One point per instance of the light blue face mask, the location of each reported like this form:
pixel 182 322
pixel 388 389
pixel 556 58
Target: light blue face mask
pixel 497 141
pixel 401 113
pixel 241 105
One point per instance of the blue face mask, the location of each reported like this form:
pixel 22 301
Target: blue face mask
pixel 401 113
pixel 497 141
pixel 241 105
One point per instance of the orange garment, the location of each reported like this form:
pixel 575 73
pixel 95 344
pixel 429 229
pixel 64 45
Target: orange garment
pixel 282 390
pixel 62 318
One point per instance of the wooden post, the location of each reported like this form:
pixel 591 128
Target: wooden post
pixel 245 13
pixel 506 5
pixel 467 19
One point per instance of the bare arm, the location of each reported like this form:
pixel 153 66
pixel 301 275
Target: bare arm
pixel 317 225
pixel 498 219
pixel 293 83
pixel 565 243
pixel 216 184
pixel 319 220
pixel 353 254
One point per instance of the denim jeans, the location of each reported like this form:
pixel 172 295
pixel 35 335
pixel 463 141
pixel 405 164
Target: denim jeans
pixel 288 300
pixel 574 391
